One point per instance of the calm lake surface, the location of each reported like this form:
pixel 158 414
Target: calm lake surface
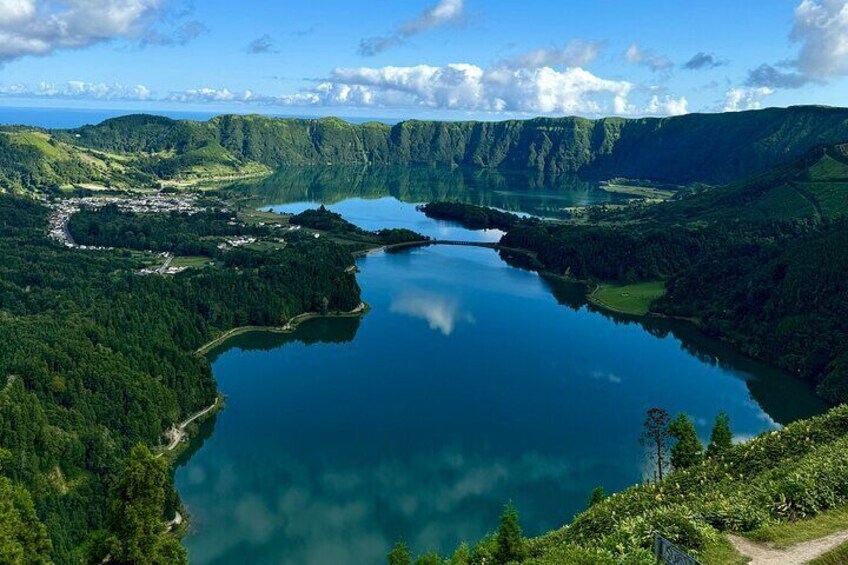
pixel 537 193
pixel 470 383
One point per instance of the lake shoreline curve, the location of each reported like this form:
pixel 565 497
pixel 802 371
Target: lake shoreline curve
pixel 288 327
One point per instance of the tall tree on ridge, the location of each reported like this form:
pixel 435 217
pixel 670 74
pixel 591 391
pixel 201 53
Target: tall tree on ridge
pixel 721 439
pixel 687 450
pixel 655 438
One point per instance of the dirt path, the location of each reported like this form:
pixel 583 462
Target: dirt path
pixel 795 555
pixel 175 436
pixel 177 433
pixel 178 519
pixel 289 326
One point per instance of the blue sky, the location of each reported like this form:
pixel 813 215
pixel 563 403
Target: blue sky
pixel 452 59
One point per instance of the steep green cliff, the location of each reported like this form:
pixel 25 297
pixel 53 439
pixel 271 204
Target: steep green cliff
pixel 711 148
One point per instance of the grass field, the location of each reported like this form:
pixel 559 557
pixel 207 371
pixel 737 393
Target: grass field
pixel 722 552
pixel 266 246
pixel 635 299
pixel 639 191
pixel 255 217
pixel 791 533
pixel 191 262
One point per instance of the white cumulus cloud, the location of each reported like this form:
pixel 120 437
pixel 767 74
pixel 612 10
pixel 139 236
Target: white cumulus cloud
pixel 459 87
pixel 210 95
pixel 821 29
pixel 40 27
pixel 462 87
pixel 468 87
pixel 737 99
pixel 667 106
pixel 821 26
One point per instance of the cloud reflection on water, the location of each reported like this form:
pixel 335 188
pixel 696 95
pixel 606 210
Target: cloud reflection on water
pixel 316 513
pixel 441 312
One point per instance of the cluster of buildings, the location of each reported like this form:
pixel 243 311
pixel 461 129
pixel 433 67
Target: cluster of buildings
pixel 155 203
pixel 236 242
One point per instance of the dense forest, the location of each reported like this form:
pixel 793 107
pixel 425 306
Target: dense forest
pixel 772 289
pixel 331 222
pixel 95 359
pixel 473 217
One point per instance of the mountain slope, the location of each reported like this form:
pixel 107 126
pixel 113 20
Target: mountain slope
pixel 813 186
pixel 711 148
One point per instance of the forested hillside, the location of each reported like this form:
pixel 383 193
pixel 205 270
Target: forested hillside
pixel 140 151
pixel 814 186
pixel 709 148
pixel 95 358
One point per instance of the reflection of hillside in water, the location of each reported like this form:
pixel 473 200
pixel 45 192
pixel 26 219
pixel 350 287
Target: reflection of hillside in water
pixel 310 332
pixel 533 192
pixel 784 397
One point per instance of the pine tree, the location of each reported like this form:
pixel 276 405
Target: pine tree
pixel 136 521
pixel 462 555
pixel 687 451
pixel 510 543
pixel 23 538
pixel 721 439
pixel 598 494
pixel 400 555
pixel 429 559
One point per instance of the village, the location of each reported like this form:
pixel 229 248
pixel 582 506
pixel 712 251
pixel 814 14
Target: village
pixel 65 208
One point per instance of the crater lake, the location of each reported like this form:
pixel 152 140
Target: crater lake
pixel 469 383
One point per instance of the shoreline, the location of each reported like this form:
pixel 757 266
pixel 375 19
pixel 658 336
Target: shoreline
pixel 288 327
pixel 177 433
pixel 178 441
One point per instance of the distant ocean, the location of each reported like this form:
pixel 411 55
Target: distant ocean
pixel 60 118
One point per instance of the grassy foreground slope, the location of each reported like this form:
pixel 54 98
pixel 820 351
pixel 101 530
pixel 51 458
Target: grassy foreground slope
pixel 793 481
pixel 779 477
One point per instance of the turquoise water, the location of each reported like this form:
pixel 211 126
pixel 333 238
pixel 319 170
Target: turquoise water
pixel 387 211
pixel 470 383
